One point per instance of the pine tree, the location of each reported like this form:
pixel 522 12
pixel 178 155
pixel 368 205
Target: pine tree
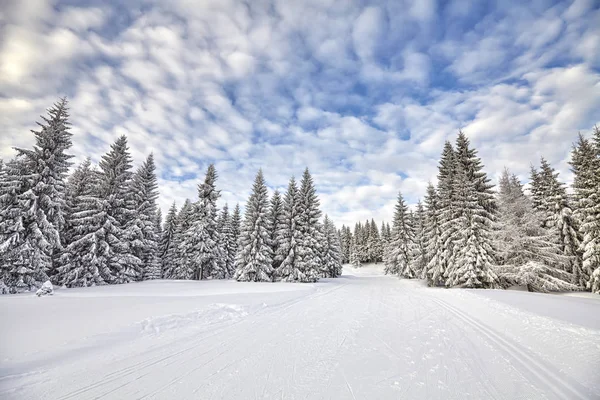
pixel 527 252
pixel 441 248
pixel 87 258
pixel 200 243
pixel 114 192
pixel 354 251
pixel 551 200
pixel 36 184
pixel 224 229
pixel 433 238
pixel 332 254
pixel 585 162
pixel 234 236
pixel 17 249
pixel 418 257
pixel 141 228
pixel 346 243
pixel 375 249
pixel 307 224
pixel 473 168
pixel 275 220
pixel 255 258
pixel 398 257
pixel 181 269
pixel 472 258
pixel 165 247
pixel 288 236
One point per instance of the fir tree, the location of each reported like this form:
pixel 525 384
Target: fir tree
pixel 398 257
pixel 472 258
pixel 526 251
pixel 142 227
pixel 332 255
pixel 307 224
pixel 418 258
pixel 224 228
pixel 36 184
pixel 255 257
pixel 441 248
pixel 551 200
pixel 181 269
pixel 200 243
pixel 585 162
pixel 165 247
pixel 87 258
pixel 354 252
pixel 234 236
pixel 287 237
pixel 20 243
pixel 433 238
pixel 473 168
pixel 114 192
pixel 275 221
pixel 374 244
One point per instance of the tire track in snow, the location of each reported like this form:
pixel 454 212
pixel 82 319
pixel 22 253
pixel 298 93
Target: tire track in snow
pixel 546 375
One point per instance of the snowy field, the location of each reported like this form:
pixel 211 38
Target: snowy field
pixel 362 336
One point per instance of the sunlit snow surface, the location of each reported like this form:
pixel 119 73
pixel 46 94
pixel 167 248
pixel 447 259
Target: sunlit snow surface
pixel 362 336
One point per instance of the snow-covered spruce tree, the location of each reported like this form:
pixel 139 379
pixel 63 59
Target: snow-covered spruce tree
pixel 40 181
pixel 234 236
pixel 78 184
pixel 181 269
pixel 224 228
pixel 554 204
pixel 87 258
pixel 472 259
pixel 308 221
pixel 526 251
pixel 354 253
pixel 254 262
pixel 288 236
pixel 585 163
pixel 473 168
pixel 440 248
pixel 114 191
pixel 332 258
pixel 141 228
pixel 275 221
pixel 375 249
pixel 158 227
pixel 398 257
pixel 346 239
pixel 165 245
pixel 418 257
pixel 200 243
pixel 433 239
pixel 17 274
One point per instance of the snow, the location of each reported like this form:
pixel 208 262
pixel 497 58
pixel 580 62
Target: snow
pixel 363 336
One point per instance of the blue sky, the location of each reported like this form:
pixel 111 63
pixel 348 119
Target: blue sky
pixel 363 93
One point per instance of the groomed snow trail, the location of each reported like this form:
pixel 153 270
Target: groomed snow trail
pixel 362 336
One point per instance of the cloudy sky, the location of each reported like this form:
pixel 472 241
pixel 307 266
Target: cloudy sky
pixel 363 93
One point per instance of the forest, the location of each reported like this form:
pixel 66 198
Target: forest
pixel 100 224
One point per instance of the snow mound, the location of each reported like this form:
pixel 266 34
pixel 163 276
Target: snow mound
pixel 215 313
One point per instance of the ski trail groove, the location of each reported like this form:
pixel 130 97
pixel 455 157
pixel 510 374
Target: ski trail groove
pixel 545 374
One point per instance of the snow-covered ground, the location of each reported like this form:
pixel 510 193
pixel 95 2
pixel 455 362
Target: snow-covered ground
pixel 362 336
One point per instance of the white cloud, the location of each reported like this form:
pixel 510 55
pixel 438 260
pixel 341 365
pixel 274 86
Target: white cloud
pixel 363 95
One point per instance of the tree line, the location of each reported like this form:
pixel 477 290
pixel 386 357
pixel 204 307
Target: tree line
pixel 467 235
pixel 101 224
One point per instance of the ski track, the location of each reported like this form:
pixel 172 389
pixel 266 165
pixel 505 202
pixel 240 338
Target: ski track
pixel 358 337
